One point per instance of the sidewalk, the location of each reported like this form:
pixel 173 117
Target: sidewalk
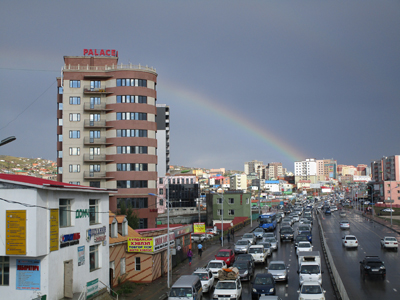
pixel 158 288
pixel 384 222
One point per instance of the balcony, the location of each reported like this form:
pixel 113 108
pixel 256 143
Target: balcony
pixel 96 124
pixel 89 90
pixel 95 107
pixel 94 141
pixel 95 158
pixel 95 175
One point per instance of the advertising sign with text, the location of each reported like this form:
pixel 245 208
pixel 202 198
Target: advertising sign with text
pixel 28 274
pixel 199 228
pixel 15 232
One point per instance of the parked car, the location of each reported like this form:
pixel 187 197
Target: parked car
pixel 350 241
pixel 389 242
pixel 278 270
pixel 215 266
pixel 372 266
pixel 242 246
pixel 246 270
pixel 262 284
pixel 311 290
pixel 206 278
pixel 227 255
pixel 198 237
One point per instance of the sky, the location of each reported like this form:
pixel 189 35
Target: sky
pixel 274 81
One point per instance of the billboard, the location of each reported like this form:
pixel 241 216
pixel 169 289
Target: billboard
pixel 16 232
pixel 150 244
pixel 28 274
pixel 315 186
pixel 199 228
pixel 54 229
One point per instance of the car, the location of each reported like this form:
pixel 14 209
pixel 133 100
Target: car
pixel 389 242
pixel 246 270
pixel 303 228
pixel 249 236
pixel 267 247
pixel 278 270
pixel 303 246
pixel 333 208
pixel 387 210
pixel 242 246
pixel 286 223
pixel 286 233
pixel 310 271
pixel 198 237
pixel 342 214
pixel 259 253
pixel 372 266
pixel 231 287
pixel 227 255
pixel 258 232
pixel 344 224
pixel 206 278
pixel 302 220
pixel 299 238
pixel 273 241
pixel 308 222
pixel 246 257
pixel 269 234
pixel 262 284
pixel 215 265
pixel 308 234
pixel 328 211
pixel 311 290
pixel 350 241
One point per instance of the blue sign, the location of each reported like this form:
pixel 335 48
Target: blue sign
pixel 28 274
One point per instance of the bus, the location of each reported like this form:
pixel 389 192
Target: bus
pixel 267 221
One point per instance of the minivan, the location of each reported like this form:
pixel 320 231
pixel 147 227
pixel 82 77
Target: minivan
pixel 186 287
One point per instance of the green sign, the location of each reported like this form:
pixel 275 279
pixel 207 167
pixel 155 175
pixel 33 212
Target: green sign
pixel 92 287
pixel 82 213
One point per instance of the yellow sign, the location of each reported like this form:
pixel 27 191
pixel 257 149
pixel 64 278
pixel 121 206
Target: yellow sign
pixel 54 229
pixel 15 232
pixel 140 244
pixel 199 228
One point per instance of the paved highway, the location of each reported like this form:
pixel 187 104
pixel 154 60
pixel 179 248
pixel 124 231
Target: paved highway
pixel 347 261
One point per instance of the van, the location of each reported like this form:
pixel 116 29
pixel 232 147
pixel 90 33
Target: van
pixel 186 287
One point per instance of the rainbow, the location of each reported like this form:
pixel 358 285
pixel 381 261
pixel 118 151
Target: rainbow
pixel 239 120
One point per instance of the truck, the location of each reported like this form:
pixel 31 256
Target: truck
pixel 228 284
pixel 309 256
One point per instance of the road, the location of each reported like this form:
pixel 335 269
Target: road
pixel 347 261
pixel 285 252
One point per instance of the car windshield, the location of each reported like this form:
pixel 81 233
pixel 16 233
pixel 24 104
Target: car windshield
pixel 276 267
pixel 307 232
pixel 202 276
pixel 266 245
pixel 241 265
pixel 259 230
pixel 248 235
pixel 352 238
pixel 309 269
pixel 304 245
pixel 374 264
pixel 214 265
pixel 311 289
pixel 242 243
pixel 391 239
pixel 223 254
pixel 304 228
pixel 286 230
pixel 263 280
pixel 225 285
pixel 270 240
pixel 255 250
pixel 180 292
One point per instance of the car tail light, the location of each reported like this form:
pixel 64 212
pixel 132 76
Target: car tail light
pixel 386 243
pixel 395 243
pixel 345 242
pixel 356 242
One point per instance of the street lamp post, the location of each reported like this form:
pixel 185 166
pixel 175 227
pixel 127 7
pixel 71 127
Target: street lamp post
pixel 7 140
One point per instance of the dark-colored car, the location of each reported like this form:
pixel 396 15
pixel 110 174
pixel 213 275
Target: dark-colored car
pixel 246 270
pixel 300 238
pixel 372 266
pixel 263 284
pixel 308 234
pixel 246 257
pixel 328 211
pixel 287 233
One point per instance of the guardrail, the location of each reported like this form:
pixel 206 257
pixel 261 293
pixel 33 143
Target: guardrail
pixel 337 281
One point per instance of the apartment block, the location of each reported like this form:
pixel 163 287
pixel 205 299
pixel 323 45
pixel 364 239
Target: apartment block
pixel 238 182
pixel 106 129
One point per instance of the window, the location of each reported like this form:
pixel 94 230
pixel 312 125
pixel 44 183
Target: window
pixel 133 202
pixel 231 200
pixel 131 99
pixel 60 138
pixel 74 83
pixel 142 99
pixel 219 212
pixel 160 191
pixel 59 154
pixel 142 82
pixel 131 133
pixel 122 265
pixel 219 200
pixel 74 151
pixel 5 270
pixel 94 168
pixel 75 100
pixel 94 151
pixel 65 212
pixel 74 134
pixel 74 117
pixel 95 84
pixel 93 211
pixel 60 106
pixel 132 149
pixel 131 184
pixel 231 212
pixel 131 167
pixel 60 170
pixel 131 82
pixel 94 257
pixel 60 122
pixel 95 184
pixel 74 168
pixel 60 90
pixel 131 116
pixel 160 180
pixel 161 202
pixel 94 101
pixel 137 263
pixel 191 180
pixel 142 223
pixel 94 117
pixel 94 134
pixel 75 182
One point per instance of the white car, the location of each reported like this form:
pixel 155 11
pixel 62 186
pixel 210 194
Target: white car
pixel 216 265
pixel 228 289
pixel 303 247
pixel 311 290
pixel 389 242
pixel 258 252
pixel 344 224
pixel 206 278
pixel 387 210
pixel 350 241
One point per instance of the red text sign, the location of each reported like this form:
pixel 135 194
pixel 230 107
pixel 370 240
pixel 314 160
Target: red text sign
pixel 100 52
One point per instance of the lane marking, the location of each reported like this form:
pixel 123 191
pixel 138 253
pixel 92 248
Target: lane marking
pixel 395 290
pixel 286 295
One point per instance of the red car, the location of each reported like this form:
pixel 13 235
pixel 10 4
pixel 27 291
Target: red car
pixel 226 255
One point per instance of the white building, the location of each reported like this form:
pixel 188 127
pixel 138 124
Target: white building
pixel 306 167
pixel 238 182
pixel 55 238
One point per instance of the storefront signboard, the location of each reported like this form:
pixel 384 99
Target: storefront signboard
pixel 28 274
pixel 15 232
pixel 81 255
pixel 54 229
pixel 92 287
pixel 199 228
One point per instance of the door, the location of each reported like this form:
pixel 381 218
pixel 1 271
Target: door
pixel 68 279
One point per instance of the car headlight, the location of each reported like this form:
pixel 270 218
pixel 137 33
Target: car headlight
pixel 206 285
pixel 254 291
pixel 382 267
pixel 271 290
pixel 227 259
pixel 367 267
pixel 233 296
pixel 246 272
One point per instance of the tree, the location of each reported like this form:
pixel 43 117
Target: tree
pixel 131 215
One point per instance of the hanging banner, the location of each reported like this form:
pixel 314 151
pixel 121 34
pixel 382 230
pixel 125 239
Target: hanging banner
pixel 81 255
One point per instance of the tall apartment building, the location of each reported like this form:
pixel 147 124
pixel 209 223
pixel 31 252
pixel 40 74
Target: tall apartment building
pixel 386 169
pixel 238 182
pixel 253 166
pixel 107 130
pixel 330 168
pixel 306 167
pixel 274 170
pixel 162 120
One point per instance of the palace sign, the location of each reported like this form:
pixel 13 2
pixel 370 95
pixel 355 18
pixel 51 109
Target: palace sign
pixel 100 52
